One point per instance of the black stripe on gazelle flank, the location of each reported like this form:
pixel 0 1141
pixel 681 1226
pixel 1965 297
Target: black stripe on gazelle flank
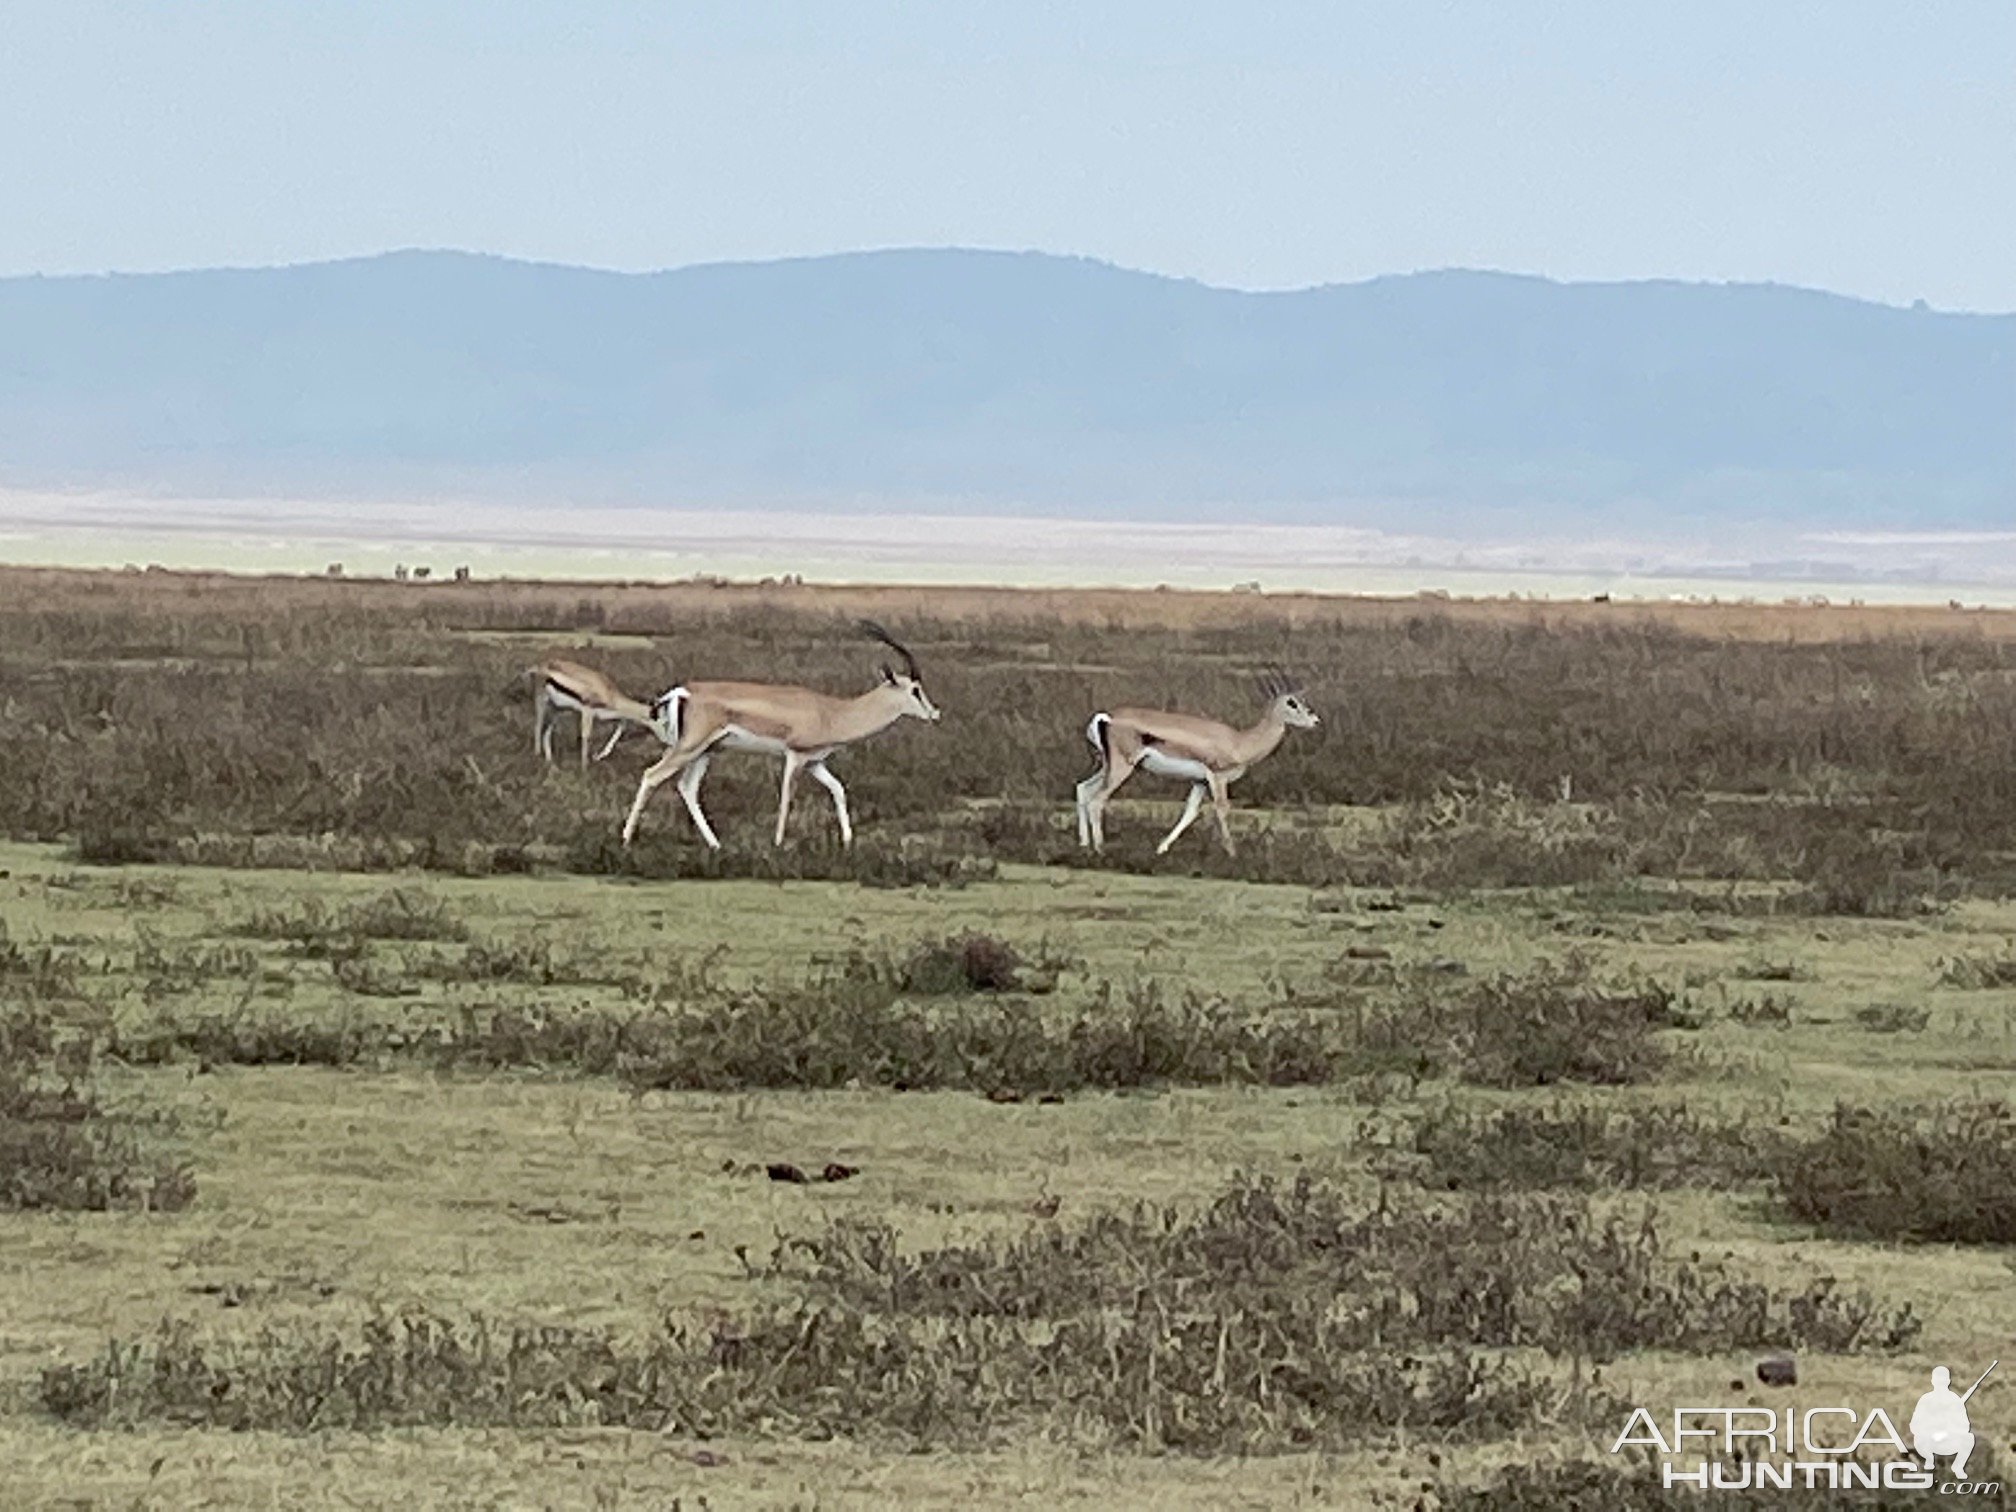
pixel 554 684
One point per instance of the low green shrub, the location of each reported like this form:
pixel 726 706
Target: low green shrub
pixel 1274 1319
pixel 1980 970
pixel 1496 1271
pixel 1938 1174
pixel 61 1147
pixel 1582 1146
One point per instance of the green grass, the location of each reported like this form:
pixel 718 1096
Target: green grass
pixel 327 1196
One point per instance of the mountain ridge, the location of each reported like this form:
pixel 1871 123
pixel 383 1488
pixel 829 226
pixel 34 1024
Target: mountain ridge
pixel 417 253
pixel 985 379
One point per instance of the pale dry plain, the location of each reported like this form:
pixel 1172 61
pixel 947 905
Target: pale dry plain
pixel 366 1143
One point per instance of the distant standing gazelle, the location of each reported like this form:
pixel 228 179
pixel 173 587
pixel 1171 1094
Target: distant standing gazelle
pixel 588 693
pixel 802 725
pixel 1209 755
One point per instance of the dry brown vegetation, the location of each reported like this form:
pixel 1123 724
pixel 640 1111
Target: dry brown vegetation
pixel 1266 1322
pixel 62 1148
pixel 288 722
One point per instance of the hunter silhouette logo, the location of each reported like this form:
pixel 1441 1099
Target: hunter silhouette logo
pixel 1832 1447
pixel 1939 1423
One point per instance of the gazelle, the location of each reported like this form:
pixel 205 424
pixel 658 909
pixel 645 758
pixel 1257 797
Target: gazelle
pixel 803 726
pixel 569 685
pixel 1210 755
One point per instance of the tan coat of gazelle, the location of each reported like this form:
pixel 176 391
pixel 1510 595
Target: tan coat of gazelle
pixel 588 693
pixel 1207 754
pixel 802 725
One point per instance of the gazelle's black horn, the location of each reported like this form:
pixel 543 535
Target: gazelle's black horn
pixel 876 632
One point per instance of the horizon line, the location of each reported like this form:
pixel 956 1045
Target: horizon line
pixel 1920 306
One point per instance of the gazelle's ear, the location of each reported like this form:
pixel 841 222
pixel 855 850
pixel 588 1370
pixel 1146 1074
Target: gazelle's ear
pixel 888 673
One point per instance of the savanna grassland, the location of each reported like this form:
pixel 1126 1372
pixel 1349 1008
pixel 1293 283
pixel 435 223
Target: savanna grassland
pixel 1605 999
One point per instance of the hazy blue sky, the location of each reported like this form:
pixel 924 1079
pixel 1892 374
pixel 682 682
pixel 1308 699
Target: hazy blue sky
pixel 1863 147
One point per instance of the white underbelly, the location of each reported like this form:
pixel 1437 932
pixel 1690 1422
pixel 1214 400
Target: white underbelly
pixel 1162 764
pixel 738 738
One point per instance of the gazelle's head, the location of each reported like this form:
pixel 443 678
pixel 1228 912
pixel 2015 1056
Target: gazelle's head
pixel 1287 701
pixel 909 683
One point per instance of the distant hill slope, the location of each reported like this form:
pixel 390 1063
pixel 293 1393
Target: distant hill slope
pixel 998 381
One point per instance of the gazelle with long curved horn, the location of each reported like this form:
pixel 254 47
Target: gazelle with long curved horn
pixel 802 725
pixel 570 686
pixel 1206 753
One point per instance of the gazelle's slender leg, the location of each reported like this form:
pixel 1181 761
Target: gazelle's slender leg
pixel 587 735
pixel 1095 808
pixel 1221 807
pixel 614 735
pixel 792 762
pixel 1191 805
pixel 549 721
pixel 539 722
pixel 662 770
pixel 689 789
pixel 832 785
pixel 1085 791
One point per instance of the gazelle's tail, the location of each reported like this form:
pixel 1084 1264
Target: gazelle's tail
pixel 668 714
pixel 1096 733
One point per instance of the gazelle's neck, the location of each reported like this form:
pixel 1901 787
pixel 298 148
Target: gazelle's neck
pixel 867 713
pixel 1260 740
